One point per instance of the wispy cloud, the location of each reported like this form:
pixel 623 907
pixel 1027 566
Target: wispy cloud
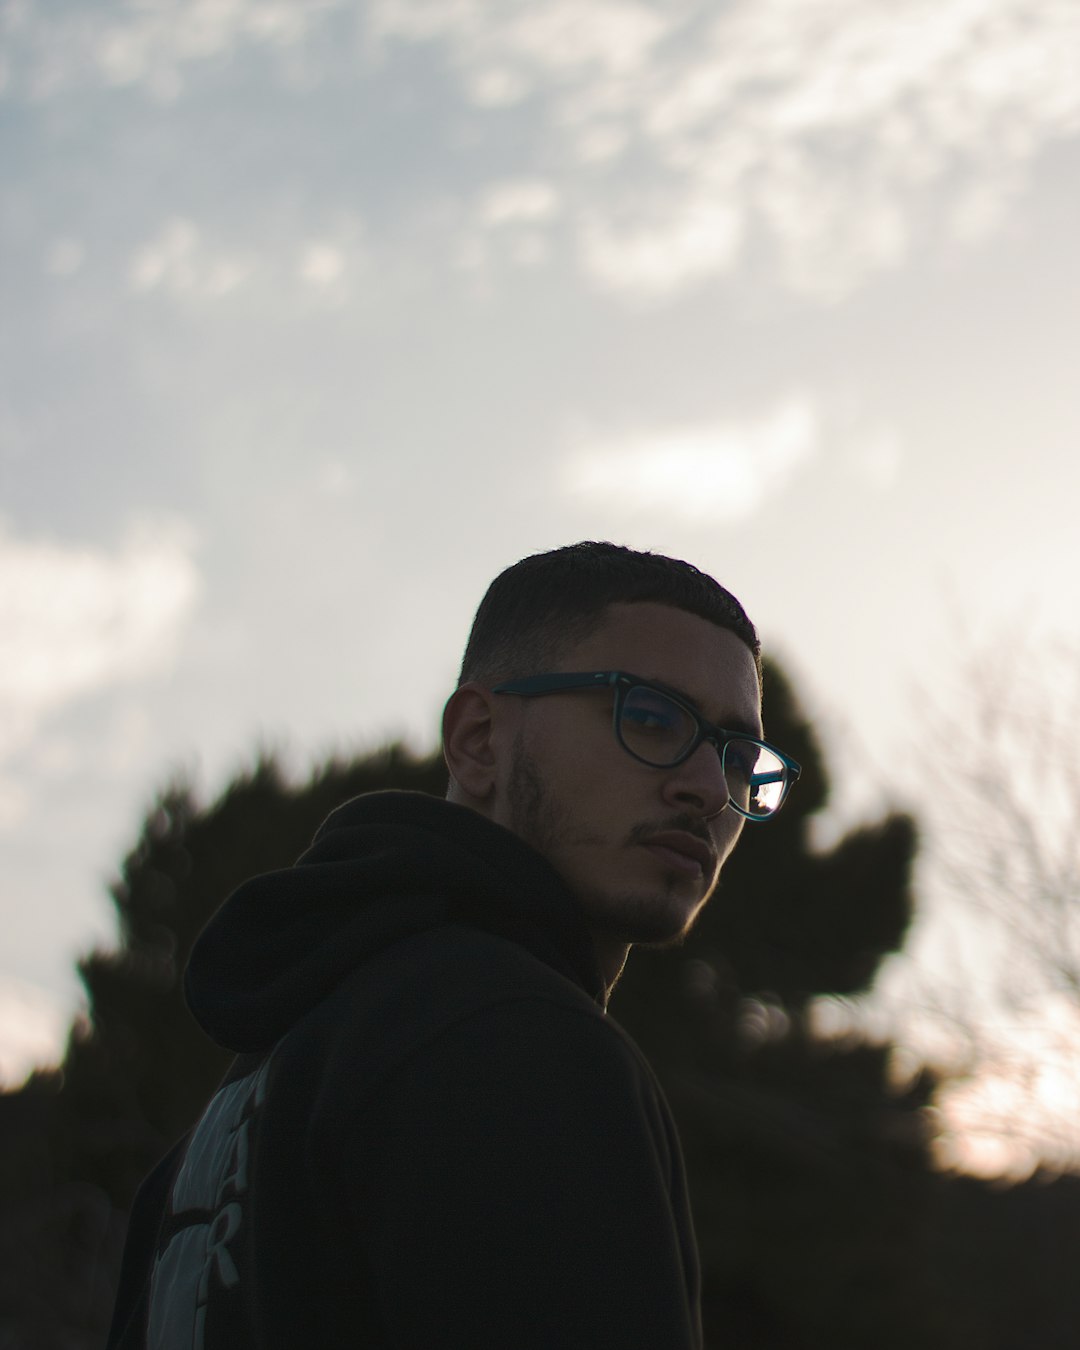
pixel 656 251
pixel 330 263
pixel 517 201
pixel 721 471
pixel 74 620
pixel 512 218
pixel 151 47
pixel 179 262
pixel 507 52
pixel 842 134
pixel 821 141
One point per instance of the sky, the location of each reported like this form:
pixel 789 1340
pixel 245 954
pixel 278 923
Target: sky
pixel 316 314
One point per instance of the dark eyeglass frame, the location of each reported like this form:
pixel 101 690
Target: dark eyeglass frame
pixel 622 682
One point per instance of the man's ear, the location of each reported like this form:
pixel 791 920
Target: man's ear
pixel 468 741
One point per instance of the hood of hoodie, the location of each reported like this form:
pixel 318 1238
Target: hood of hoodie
pixel 382 867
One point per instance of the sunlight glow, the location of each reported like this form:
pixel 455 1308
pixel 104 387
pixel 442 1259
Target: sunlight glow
pixel 32 1030
pixel 1021 1112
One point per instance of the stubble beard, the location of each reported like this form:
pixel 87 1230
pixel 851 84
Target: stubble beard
pixel 642 917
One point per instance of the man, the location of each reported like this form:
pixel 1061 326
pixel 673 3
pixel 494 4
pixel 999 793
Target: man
pixel 433 1135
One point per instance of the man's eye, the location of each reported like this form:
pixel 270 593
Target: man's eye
pixel 651 716
pixel 645 719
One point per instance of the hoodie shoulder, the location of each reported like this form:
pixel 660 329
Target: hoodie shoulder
pixel 414 991
pixel 383 870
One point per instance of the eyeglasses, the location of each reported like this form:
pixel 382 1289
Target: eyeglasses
pixel 662 730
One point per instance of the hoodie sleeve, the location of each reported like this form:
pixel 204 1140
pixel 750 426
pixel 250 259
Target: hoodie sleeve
pixel 127 1331
pixel 518 1182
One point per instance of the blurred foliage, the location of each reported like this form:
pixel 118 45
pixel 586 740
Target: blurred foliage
pixel 820 1219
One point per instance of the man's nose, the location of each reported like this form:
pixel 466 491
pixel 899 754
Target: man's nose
pixel 698 783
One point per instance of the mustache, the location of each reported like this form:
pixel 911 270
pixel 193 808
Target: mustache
pixel 694 825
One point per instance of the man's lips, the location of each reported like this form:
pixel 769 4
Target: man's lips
pixel 683 851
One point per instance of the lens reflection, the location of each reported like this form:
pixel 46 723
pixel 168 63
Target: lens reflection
pixel 755 777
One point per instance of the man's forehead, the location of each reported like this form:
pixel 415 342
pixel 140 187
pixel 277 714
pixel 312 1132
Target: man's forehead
pixel 718 705
pixel 657 625
pixel 694 658
pixel 733 708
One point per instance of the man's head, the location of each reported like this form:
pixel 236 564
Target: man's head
pixel 542 605
pixel 640 846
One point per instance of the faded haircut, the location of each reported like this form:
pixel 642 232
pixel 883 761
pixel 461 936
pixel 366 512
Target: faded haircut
pixel 547 603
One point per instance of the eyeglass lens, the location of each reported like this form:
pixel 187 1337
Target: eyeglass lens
pixel 659 731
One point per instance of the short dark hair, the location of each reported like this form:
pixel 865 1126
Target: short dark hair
pixel 547 602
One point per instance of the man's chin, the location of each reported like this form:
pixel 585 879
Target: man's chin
pixel 643 921
pixel 664 944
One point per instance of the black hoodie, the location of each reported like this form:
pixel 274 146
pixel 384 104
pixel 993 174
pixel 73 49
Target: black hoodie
pixel 432 1137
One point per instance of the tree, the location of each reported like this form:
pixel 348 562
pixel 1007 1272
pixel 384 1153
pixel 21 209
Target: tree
pixel 992 989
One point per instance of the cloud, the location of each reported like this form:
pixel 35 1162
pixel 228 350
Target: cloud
pixel 330 263
pixel 32 1030
pixel 152 47
pixel 506 52
pixel 74 620
pixel 516 201
pixel 840 135
pixel 512 218
pixel 820 141
pixel 722 471
pixel 321 265
pixel 667 250
pixel 178 262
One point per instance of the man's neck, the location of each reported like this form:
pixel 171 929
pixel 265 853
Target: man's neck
pixel 611 957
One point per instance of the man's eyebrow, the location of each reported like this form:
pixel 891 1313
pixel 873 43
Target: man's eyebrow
pixel 732 723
